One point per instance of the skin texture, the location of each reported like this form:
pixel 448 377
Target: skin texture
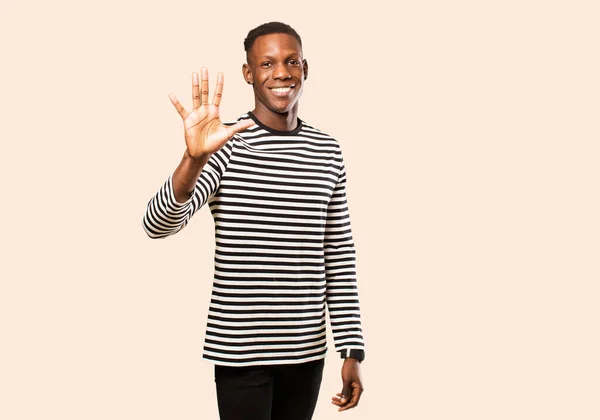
pixel 276 60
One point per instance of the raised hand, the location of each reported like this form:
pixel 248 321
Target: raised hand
pixel 204 132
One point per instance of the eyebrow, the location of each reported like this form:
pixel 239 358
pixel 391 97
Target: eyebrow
pixel 272 58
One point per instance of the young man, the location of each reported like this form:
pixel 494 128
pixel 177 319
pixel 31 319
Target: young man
pixel 284 248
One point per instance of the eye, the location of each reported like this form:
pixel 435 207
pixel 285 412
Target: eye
pixel 294 62
pixel 265 65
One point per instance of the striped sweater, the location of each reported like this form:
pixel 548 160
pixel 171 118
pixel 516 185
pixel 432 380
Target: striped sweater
pixel 284 248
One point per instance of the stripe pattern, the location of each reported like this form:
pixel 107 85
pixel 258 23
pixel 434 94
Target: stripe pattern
pixel 284 248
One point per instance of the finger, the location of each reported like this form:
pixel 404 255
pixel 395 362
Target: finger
pixel 345 397
pixel 178 106
pixel 353 402
pixel 346 391
pixel 237 127
pixel 195 91
pixel 348 406
pixel 204 85
pixel 337 401
pixel 218 90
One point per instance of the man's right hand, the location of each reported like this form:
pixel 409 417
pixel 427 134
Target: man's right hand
pixel 204 132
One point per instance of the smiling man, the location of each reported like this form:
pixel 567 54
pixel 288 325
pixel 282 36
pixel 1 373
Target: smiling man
pixel 276 70
pixel 276 188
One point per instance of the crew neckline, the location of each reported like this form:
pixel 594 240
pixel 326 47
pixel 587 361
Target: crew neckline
pixel 272 130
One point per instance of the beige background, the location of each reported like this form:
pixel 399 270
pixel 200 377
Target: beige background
pixel 471 138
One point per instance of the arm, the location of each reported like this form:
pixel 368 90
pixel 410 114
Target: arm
pixel 342 294
pixel 196 179
pixel 172 206
pixel 340 268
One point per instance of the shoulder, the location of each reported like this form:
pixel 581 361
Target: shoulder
pixel 311 129
pixel 315 133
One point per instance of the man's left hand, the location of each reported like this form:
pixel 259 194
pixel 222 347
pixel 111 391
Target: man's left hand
pixel 352 387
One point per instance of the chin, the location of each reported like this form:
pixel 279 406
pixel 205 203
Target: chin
pixel 282 109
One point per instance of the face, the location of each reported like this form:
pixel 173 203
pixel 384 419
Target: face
pixel 277 71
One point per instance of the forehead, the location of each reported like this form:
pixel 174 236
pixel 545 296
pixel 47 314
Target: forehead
pixel 275 45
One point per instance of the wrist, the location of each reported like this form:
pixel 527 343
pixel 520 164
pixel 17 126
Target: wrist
pixel 197 160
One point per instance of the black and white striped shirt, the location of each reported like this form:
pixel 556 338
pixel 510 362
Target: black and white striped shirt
pixel 284 248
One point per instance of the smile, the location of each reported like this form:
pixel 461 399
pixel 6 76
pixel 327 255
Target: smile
pixel 283 90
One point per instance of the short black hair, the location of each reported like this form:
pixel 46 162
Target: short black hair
pixel 269 28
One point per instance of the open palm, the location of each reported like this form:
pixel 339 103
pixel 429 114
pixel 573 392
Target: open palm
pixel 204 131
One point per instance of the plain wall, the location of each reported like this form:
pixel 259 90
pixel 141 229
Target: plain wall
pixel 471 139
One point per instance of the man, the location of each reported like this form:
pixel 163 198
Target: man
pixel 284 248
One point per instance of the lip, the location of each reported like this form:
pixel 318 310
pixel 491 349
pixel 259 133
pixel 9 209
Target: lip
pixel 282 94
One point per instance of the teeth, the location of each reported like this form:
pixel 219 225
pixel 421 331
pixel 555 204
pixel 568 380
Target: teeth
pixel 283 89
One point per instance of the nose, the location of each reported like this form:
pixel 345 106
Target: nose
pixel 281 72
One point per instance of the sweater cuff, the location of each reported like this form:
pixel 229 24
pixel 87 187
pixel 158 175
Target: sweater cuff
pixel 354 353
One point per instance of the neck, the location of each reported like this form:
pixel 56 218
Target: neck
pixel 286 121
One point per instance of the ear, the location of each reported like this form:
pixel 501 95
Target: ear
pixel 305 66
pixel 247 73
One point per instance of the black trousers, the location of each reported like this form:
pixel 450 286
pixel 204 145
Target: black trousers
pixel 269 392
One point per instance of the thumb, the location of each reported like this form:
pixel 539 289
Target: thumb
pixel 239 126
pixel 345 392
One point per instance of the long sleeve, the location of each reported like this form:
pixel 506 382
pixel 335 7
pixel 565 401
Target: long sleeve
pixel 340 267
pixel 165 216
